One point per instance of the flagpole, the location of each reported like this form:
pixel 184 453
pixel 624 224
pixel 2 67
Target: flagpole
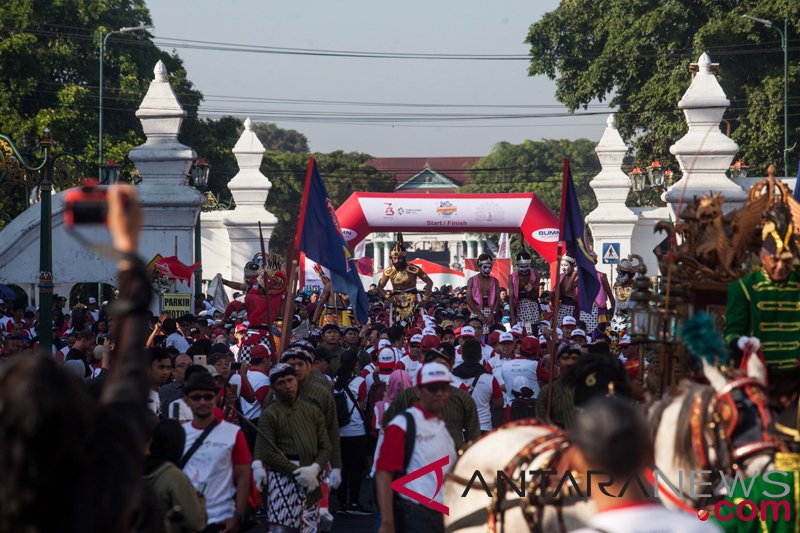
pixel 553 341
pixel 293 256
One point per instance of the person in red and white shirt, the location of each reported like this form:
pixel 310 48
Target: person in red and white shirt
pixel 468 332
pixel 219 469
pixel 411 362
pixel 431 443
pixel 504 352
pixel 258 379
pixel 386 363
pixel 479 383
pixel 525 365
pixel 373 366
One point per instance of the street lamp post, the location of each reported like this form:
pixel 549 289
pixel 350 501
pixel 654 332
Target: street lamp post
pixel 200 171
pixel 769 24
pixel 45 168
pixel 103 40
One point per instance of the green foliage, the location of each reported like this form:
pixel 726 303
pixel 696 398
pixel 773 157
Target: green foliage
pixel 342 172
pixel 537 167
pixel 635 54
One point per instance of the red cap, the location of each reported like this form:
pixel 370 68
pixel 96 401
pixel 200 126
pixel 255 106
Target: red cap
pixel 429 342
pixel 529 346
pixel 259 351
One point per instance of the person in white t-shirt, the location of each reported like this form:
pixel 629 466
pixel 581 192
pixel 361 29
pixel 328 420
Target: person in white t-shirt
pixel 504 352
pixel 411 362
pixel 353 435
pixel 525 365
pixel 478 383
pixel 468 332
pixel 174 339
pixel 258 379
pixel 611 435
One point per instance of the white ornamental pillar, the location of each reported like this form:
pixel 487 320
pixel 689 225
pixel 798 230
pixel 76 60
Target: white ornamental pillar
pixel 250 189
pixel 704 153
pixel 386 250
pixel 376 256
pixel 170 207
pixel 611 222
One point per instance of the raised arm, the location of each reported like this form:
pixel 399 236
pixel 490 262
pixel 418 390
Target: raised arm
pixel 381 284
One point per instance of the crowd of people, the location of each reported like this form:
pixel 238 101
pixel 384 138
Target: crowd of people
pixel 300 433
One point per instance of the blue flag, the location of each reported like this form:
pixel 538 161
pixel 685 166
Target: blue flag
pixel 796 192
pixel 575 240
pixel 323 242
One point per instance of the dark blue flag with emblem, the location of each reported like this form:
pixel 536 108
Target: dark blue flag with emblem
pixel 323 242
pixel 796 193
pixel 573 231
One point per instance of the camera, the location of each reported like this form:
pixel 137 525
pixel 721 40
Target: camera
pixel 87 204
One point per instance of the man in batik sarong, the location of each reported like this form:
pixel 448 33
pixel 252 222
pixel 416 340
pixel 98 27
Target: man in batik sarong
pixel 524 294
pixel 568 277
pixel 483 293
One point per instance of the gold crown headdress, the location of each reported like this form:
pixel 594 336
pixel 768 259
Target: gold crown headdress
pixel 399 249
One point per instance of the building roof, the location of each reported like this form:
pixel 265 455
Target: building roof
pixel 454 169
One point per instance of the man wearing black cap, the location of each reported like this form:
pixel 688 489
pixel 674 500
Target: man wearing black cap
pixel 322 397
pixel 296 450
pixel 215 457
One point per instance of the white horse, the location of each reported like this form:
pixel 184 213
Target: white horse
pixel 720 428
pixel 521 504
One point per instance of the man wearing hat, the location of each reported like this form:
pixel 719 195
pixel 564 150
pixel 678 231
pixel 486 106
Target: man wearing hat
pixel 460 414
pixel 215 457
pixel 525 365
pixel 563 397
pixel 319 395
pixel 413 360
pixel 296 450
pixel 568 325
pixel 404 278
pixel 414 439
pixel 258 382
pixel 766 304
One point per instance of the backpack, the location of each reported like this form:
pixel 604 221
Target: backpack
pixel 522 408
pixel 343 412
pixel 375 395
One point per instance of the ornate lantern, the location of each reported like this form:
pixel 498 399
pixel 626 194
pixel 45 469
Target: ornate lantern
pixel 200 170
pixel 637 179
pixel 655 174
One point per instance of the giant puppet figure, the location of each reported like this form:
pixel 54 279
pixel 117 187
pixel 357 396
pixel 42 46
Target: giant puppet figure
pixel 766 303
pixel 405 296
pixel 483 293
pixel 332 307
pixel 524 294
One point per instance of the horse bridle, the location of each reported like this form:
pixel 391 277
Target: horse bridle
pixel 493 514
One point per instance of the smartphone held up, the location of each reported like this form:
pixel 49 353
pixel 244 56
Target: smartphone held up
pixel 87 204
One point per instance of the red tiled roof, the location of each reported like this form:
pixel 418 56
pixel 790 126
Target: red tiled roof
pixel 455 168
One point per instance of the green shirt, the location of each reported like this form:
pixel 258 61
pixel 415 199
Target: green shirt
pixel 760 307
pixel 460 414
pixel 563 407
pixel 297 430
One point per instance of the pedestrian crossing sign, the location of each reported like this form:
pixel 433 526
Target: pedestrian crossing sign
pixel 610 253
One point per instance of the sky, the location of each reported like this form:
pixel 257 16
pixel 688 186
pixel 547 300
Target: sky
pixel 263 85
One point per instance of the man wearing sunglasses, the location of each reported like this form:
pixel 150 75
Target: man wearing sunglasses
pixel 401 454
pixel 220 466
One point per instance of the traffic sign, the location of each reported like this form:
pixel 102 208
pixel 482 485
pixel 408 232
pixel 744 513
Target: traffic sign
pixel 610 253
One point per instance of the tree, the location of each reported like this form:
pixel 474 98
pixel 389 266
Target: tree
pixel 635 53
pixel 342 172
pixel 537 167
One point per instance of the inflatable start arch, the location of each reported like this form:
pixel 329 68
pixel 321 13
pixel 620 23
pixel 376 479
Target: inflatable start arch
pixel 364 213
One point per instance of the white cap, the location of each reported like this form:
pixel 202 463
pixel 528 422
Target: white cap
pixel 416 338
pixel 545 323
pixel 386 358
pixel 625 340
pixel 430 373
pixel 517 329
pixel 92 300
pixel 467 331
pixel 560 333
pixel 578 333
pixel 568 321
pixel 504 337
pixel 519 383
pixel 429 331
pixel 384 343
